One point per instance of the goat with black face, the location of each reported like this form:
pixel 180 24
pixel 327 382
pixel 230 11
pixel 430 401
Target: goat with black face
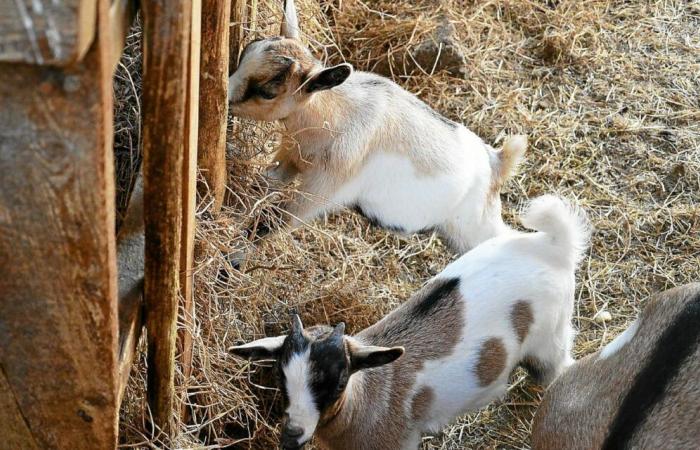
pixel 314 366
pixel 447 350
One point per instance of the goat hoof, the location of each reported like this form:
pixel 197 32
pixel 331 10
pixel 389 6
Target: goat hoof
pixel 237 260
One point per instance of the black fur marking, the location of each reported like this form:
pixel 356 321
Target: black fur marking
pixel 374 82
pixel 331 372
pixel 270 88
pixel 374 221
pixel 677 343
pixel 429 303
pixel 328 78
pixel 538 370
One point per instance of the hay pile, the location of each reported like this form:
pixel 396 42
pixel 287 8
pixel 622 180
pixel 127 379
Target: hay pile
pixel 610 97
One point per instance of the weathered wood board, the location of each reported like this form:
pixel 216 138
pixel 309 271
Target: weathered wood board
pixel 53 32
pixel 213 104
pixel 166 46
pixel 58 307
pixel 189 191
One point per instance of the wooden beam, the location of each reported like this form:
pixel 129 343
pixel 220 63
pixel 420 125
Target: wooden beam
pixel 239 17
pixel 213 102
pixel 189 194
pixel 130 263
pixel 58 313
pixel 165 91
pixel 50 32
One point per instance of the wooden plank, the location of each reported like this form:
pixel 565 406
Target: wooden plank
pixel 213 102
pixel 239 17
pixel 57 32
pixel 130 262
pixel 165 92
pixel 189 194
pixel 16 432
pixel 58 314
pixel 121 16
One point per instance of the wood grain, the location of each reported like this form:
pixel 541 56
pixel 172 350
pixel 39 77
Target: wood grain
pixel 58 313
pixel 165 91
pixel 189 194
pixel 57 32
pixel 239 18
pixel 213 103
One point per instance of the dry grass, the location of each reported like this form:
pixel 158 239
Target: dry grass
pixel 609 93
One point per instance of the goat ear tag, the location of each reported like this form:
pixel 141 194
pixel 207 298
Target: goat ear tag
pixel 266 348
pixel 329 77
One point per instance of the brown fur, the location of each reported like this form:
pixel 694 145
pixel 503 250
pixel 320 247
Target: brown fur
pixel 421 403
pixel 521 317
pixel 382 410
pixel 581 404
pixel 492 361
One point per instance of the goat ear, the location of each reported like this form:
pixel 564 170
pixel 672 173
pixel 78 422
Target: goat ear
pixel 290 22
pixel 266 348
pixel 329 77
pixel 369 356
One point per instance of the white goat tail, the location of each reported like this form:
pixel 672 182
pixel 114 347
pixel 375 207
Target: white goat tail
pixel 566 224
pixel 506 160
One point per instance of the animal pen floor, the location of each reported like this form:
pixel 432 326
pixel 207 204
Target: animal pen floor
pixel 609 94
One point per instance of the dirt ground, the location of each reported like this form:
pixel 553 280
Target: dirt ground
pixel 609 95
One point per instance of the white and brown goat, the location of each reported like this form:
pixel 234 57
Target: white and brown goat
pixel 447 350
pixel 358 140
pixel 641 391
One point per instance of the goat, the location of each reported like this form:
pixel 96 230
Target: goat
pixel 359 140
pixel 642 390
pixel 447 350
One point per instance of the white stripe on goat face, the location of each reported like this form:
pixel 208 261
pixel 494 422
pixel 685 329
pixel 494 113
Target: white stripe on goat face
pixel 302 410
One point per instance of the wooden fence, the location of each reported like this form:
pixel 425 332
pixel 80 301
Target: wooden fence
pixel 73 295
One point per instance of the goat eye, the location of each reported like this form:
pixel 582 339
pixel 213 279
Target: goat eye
pixel 266 95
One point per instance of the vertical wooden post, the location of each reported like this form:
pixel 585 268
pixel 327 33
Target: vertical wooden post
pixel 213 104
pixel 165 92
pixel 239 16
pixel 58 292
pixel 189 194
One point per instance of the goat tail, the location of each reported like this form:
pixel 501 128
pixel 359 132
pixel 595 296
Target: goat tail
pixel 506 160
pixel 566 225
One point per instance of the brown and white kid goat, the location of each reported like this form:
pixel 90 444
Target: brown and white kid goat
pixel 447 350
pixel 359 140
pixel 642 391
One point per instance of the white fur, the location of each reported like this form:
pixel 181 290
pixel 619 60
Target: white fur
pixel 271 344
pixel 493 277
pixel 302 409
pixel 620 341
pixel 410 169
pixel 370 142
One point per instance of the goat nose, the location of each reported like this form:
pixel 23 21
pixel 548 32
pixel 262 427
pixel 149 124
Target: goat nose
pixel 291 431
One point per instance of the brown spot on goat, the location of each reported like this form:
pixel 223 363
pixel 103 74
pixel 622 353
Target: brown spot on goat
pixel 521 317
pixel 429 326
pixel 421 403
pixel 492 361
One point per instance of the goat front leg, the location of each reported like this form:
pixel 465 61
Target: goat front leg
pixel 288 163
pixel 306 205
